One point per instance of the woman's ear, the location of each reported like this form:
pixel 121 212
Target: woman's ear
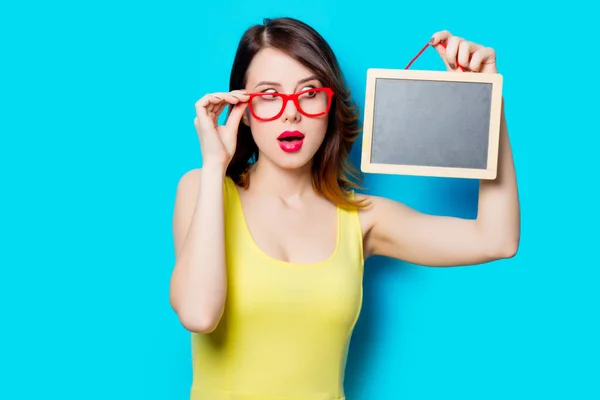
pixel 246 117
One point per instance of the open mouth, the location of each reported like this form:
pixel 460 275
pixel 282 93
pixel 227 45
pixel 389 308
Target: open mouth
pixel 291 141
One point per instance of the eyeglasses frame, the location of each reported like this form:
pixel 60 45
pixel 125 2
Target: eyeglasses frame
pixel 292 97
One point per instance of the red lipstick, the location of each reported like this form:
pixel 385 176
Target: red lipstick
pixel 291 141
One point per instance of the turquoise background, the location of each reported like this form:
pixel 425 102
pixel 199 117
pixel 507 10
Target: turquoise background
pixel 96 127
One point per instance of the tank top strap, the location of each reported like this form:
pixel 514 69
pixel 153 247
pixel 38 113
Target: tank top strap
pixel 231 206
pixel 351 236
pixel 228 187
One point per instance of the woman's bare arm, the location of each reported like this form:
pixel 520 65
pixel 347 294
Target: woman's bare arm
pixel 398 231
pixel 198 282
pixel 199 279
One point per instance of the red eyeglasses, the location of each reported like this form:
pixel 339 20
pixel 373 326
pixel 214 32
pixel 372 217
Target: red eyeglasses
pixel 311 103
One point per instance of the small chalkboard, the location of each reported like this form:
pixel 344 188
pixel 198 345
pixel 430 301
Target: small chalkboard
pixel 432 123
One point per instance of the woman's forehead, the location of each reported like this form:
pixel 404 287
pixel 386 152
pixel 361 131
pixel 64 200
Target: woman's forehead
pixel 275 66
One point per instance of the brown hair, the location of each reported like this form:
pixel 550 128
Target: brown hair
pixel 333 174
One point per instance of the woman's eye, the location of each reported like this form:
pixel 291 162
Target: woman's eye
pixel 269 91
pixel 309 94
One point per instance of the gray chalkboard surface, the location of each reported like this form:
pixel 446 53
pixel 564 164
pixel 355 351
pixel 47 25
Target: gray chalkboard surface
pixel 432 123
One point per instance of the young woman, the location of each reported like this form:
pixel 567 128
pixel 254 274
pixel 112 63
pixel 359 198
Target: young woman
pixel 270 238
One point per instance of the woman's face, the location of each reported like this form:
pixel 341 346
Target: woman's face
pixel 272 71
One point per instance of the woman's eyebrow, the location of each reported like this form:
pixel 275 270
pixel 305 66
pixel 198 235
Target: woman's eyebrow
pixel 310 78
pixel 270 83
pixel 267 83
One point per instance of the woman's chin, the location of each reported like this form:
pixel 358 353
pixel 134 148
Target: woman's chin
pixel 293 163
pixel 292 160
pixel 290 156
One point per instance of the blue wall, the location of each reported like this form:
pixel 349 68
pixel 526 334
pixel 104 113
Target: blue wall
pixel 97 104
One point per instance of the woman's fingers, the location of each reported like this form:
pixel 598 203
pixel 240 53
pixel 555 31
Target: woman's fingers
pixel 218 101
pixel 483 56
pixel 210 107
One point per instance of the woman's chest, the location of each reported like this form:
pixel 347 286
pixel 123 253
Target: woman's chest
pixel 298 236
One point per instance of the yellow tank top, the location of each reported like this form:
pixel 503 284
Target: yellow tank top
pixel 286 327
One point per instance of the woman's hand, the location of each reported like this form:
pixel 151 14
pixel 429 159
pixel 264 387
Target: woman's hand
pixel 471 56
pixel 218 142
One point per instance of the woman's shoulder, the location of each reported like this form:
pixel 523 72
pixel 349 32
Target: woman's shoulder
pixel 189 182
pixel 362 205
pixel 185 202
pixel 188 186
pixel 377 208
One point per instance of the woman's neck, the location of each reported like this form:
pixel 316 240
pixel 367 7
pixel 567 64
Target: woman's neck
pixel 286 184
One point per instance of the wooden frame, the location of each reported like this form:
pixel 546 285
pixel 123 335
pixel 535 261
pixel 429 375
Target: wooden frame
pixel 494 134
